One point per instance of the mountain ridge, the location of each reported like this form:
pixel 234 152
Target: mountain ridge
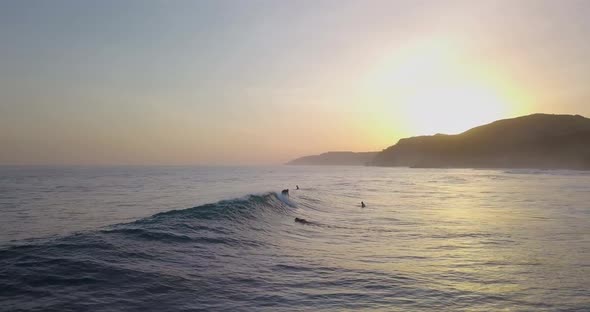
pixel 541 141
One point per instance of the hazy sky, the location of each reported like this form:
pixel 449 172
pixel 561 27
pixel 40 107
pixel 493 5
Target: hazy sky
pixel 252 82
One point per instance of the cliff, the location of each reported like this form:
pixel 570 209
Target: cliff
pixel 534 141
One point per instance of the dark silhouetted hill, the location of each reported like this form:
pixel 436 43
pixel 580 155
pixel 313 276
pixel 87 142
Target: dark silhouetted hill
pixel 335 158
pixel 535 141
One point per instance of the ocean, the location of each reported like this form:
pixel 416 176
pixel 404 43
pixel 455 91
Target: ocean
pixel 225 239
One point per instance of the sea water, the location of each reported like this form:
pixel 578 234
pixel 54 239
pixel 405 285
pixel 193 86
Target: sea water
pixel 127 239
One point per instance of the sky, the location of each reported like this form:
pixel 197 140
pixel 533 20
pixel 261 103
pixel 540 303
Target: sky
pixel 261 82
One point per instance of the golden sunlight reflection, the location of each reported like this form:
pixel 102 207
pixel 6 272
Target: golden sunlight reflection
pixel 435 88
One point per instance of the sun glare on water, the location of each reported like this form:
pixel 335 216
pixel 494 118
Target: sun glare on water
pixel 433 89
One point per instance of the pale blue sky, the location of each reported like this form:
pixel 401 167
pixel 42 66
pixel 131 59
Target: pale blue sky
pixel 248 82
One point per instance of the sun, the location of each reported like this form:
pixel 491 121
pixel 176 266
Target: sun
pixel 433 88
pixel 452 108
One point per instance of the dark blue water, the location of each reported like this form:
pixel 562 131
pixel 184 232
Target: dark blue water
pixel 428 240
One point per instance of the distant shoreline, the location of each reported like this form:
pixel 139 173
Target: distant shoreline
pixel 538 141
pixel 335 159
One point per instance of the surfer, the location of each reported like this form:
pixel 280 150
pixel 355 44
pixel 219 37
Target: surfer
pixel 363 205
pixel 296 187
pixel 285 192
pixel 302 221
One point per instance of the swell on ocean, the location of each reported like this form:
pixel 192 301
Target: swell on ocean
pixel 451 240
